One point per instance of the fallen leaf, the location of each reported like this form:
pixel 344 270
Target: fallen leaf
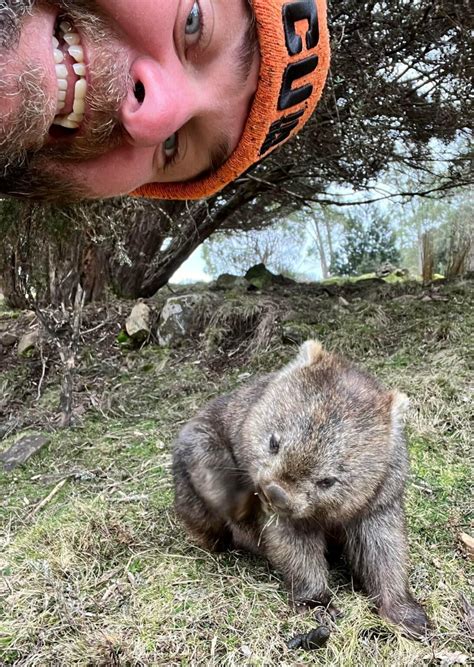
pixel 246 650
pixel 468 544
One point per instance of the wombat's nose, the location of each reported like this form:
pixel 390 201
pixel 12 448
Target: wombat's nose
pixel 276 496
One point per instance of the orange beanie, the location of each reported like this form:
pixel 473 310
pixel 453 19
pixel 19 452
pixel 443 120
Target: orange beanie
pixel 294 51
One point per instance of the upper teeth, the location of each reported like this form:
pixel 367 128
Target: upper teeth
pixel 75 50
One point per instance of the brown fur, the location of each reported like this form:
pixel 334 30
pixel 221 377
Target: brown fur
pixel 295 460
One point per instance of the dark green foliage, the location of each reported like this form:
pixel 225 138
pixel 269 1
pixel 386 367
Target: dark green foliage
pixel 366 245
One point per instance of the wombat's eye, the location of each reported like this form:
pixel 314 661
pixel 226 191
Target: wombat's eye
pixel 327 482
pixel 274 444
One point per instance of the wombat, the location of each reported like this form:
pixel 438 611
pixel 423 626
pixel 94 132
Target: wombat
pixel 299 459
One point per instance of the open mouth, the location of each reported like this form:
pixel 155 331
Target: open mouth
pixel 71 73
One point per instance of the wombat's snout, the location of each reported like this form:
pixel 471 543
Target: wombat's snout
pixel 276 496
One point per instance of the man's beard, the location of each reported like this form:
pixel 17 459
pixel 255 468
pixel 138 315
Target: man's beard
pixel 11 13
pixel 33 171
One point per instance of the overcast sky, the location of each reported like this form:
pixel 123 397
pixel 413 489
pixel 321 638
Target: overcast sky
pixel 192 270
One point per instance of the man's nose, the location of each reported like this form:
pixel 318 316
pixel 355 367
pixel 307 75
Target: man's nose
pixel 161 102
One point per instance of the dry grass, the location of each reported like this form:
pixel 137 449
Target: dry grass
pixel 239 327
pixel 103 574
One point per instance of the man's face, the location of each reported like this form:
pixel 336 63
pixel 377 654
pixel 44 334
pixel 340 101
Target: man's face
pixel 98 97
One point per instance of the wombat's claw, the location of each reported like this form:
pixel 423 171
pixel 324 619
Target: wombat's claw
pixel 321 614
pixel 419 632
pixel 300 606
pixel 334 612
pixel 322 606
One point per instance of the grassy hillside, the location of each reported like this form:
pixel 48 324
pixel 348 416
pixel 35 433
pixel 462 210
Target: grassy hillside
pixel 95 569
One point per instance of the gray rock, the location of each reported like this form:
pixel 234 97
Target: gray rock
pixel 176 318
pixel 138 322
pixel 7 339
pixel 27 342
pixel 22 450
pixel 385 269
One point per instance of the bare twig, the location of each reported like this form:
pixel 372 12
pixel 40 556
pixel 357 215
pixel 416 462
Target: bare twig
pixel 48 498
pixel 43 370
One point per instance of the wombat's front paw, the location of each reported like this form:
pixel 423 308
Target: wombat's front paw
pixel 299 606
pixel 244 506
pixel 409 615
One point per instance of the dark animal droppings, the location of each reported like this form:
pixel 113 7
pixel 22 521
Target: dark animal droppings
pixel 313 640
pixel 296 642
pixel 316 638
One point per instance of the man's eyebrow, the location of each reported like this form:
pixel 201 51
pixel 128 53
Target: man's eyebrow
pixel 245 51
pixel 218 154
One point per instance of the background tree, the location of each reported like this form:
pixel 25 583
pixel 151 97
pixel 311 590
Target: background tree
pixel 449 221
pixel 49 252
pixel 369 241
pixel 326 226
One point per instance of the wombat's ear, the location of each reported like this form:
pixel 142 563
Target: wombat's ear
pixel 311 352
pixel 400 405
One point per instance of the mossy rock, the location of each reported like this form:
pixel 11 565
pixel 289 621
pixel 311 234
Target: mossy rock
pixel 394 278
pixel 260 277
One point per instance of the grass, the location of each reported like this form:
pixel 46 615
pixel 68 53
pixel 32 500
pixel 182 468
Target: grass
pixel 103 574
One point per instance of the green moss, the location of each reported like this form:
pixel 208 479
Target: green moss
pixel 393 279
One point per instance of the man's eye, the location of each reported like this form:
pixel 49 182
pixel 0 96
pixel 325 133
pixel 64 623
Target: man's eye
pixel 194 21
pixel 170 146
